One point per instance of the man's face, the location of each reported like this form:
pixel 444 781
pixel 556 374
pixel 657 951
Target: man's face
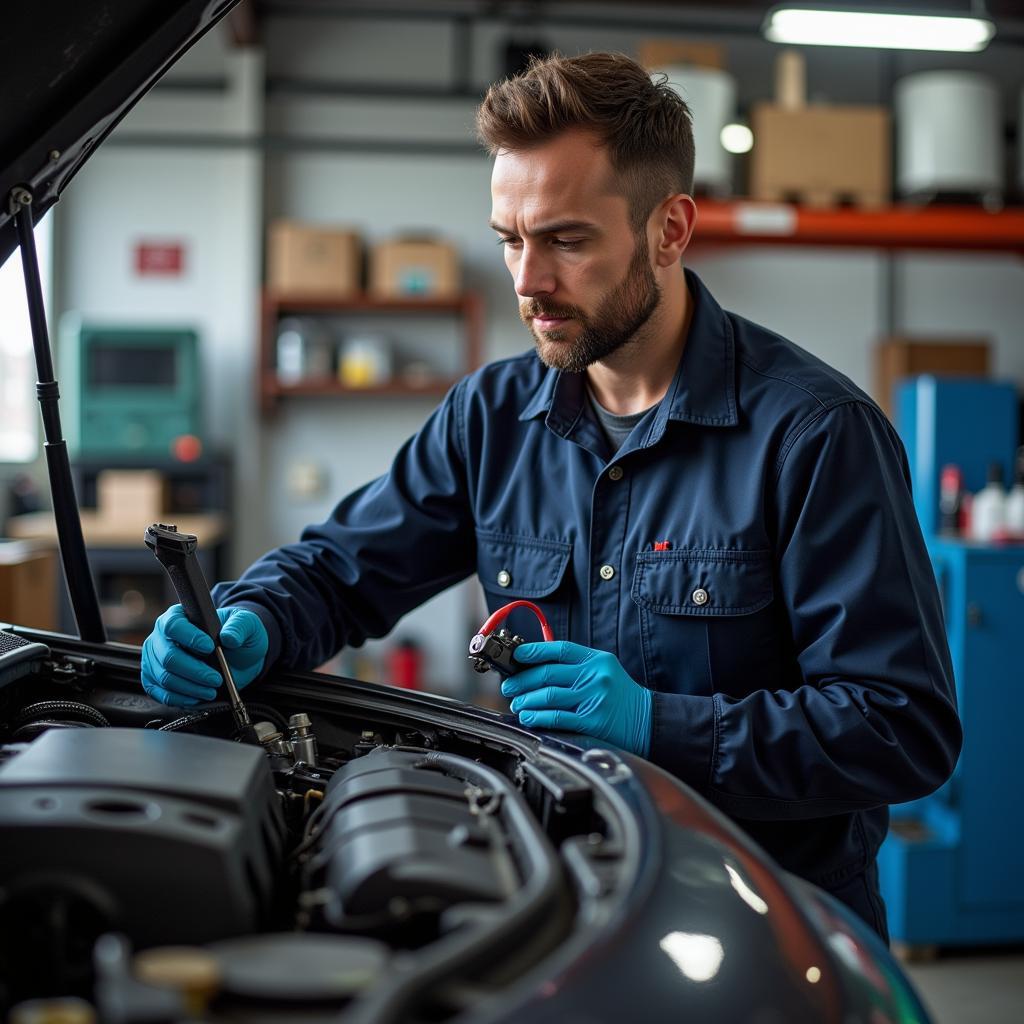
pixel 583 277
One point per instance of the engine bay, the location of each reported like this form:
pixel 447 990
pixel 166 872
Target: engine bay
pixel 363 862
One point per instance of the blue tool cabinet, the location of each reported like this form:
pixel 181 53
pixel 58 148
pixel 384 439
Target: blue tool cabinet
pixel 952 868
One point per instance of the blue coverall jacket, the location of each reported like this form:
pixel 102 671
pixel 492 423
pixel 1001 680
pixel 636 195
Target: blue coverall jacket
pixel 789 622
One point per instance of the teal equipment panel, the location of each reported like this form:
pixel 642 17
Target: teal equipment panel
pixel 129 390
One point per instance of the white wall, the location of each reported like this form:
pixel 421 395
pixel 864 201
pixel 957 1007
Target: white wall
pixel 830 301
pixel 833 302
pixel 210 200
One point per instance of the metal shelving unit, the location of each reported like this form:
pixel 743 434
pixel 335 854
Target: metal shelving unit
pixel 746 222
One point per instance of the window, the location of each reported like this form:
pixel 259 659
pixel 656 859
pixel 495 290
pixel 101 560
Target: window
pixel 19 424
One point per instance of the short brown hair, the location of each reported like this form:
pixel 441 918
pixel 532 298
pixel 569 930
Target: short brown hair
pixel 644 124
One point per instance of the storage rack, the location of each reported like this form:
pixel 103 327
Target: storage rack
pixel 467 307
pixel 894 227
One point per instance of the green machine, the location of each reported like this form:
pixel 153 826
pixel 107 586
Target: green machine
pixel 129 390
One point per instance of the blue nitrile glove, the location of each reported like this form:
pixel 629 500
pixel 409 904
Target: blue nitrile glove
pixel 171 675
pixel 580 690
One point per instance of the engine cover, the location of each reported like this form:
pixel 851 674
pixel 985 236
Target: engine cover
pixel 166 837
pixel 396 829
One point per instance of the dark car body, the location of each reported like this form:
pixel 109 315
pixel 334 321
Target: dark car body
pixel 435 861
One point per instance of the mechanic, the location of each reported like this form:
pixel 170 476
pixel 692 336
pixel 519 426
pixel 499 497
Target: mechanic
pixel 717 524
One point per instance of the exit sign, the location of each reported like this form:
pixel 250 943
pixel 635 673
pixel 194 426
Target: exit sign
pixel 160 259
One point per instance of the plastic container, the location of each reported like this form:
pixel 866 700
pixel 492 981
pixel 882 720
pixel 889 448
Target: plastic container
pixel 304 351
pixel 951 491
pixel 365 361
pixel 710 94
pixel 949 137
pixel 988 510
pixel 1015 511
pixel 1015 501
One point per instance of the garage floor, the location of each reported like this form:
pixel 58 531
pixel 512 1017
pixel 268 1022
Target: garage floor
pixel 973 987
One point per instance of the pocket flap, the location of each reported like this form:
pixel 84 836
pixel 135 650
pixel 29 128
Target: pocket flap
pixel 703 582
pixel 520 566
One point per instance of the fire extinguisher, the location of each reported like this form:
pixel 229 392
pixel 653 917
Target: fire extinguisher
pixel 405 665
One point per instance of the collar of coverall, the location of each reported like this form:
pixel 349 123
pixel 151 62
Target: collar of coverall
pixel 702 391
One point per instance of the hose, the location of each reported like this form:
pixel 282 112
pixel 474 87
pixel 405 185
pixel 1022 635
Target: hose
pixel 195 717
pixel 57 708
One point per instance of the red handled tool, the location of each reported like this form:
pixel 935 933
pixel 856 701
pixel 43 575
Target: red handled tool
pixel 489 650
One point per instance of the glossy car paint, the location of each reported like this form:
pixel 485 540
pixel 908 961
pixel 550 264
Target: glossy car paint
pixel 706 928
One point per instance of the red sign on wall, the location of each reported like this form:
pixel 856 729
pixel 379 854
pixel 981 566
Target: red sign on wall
pixel 165 259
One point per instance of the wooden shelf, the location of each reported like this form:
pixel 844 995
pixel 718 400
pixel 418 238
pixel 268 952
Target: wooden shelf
pixel 367 304
pixel 467 307
pixel 328 386
pixel 744 222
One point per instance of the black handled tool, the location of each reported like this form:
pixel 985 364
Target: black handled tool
pixel 176 552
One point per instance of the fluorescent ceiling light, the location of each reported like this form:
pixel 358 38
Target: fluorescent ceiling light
pixel 822 26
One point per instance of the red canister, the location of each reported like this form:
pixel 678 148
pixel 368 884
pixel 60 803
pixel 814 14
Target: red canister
pixel 405 665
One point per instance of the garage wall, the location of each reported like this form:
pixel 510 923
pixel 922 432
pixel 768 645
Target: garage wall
pixel 208 197
pixel 834 303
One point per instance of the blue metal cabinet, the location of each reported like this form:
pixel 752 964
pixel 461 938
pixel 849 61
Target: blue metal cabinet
pixel 952 867
pixel 969 423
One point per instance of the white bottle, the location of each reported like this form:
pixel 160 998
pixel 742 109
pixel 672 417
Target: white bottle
pixel 1015 502
pixel 988 510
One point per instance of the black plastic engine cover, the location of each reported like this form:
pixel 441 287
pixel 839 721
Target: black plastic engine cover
pixel 396 829
pixel 167 837
pixel 19 657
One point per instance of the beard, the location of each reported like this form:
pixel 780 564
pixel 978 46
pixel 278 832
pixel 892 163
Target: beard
pixel 616 321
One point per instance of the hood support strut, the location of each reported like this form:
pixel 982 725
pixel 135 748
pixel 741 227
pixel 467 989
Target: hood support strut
pixel 84 602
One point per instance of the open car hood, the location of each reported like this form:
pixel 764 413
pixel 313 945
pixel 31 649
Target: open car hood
pixel 69 72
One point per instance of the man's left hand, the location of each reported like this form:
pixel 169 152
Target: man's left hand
pixel 580 690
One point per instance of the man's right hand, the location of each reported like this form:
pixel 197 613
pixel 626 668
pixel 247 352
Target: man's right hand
pixel 171 672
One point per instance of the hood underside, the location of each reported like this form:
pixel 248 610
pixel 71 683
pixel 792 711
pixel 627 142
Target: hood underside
pixel 70 71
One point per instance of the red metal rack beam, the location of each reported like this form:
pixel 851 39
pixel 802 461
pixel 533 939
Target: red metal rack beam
pixel 895 227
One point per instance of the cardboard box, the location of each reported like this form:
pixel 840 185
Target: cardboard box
pixel 898 358
pixel 28 585
pixel 304 260
pixel 655 54
pixel 411 268
pixel 821 155
pixel 131 496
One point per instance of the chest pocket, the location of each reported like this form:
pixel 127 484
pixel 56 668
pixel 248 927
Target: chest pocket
pixel 707 623
pixel 512 567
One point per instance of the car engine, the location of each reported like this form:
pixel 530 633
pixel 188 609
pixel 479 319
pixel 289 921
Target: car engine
pixel 356 865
